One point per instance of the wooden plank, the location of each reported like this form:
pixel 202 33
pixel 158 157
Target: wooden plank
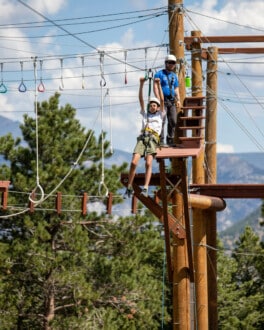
pixel 154 181
pixel 229 190
pixel 177 152
pixel 223 39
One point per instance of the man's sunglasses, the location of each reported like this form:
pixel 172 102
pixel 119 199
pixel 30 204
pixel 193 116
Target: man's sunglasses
pixel 170 62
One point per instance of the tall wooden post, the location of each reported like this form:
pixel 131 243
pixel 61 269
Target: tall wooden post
pixel 199 223
pixel 197 90
pixel 211 177
pixel 181 280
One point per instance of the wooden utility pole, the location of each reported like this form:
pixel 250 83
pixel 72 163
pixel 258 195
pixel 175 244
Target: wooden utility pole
pixel 199 223
pixel 181 279
pixel 211 177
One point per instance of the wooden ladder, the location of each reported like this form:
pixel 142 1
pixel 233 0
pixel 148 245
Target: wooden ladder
pixel 191 124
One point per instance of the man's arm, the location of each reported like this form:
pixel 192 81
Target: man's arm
pixel 177 97
pixel 159 95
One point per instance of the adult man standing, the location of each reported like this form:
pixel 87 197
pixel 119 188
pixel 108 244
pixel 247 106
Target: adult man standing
pixel 170 87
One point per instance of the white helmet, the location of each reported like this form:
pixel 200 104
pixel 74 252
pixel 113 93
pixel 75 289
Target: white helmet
pixel 154 99
pixel 170 58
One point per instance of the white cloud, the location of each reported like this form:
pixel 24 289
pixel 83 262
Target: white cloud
pixel 224 148
pixel 242 14
pixel 47 6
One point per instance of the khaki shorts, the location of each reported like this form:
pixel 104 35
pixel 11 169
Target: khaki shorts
pixel 146 145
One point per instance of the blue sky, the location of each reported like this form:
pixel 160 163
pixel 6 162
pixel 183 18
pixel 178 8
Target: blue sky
pixel 132 38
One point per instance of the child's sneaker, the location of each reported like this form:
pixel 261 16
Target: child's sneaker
pixel 128 193
pixel 144 192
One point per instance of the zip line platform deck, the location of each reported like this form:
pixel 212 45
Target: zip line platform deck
pixel 177 152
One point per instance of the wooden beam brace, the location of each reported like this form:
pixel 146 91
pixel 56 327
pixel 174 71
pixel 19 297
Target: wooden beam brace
pixel 203 202
pixel 206 202
pixel 229 190
pixel 154 181
pixel 174 225
pixel 222 39
pixel 234 51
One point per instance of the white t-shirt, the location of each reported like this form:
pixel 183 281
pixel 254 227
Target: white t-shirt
pixel 152 120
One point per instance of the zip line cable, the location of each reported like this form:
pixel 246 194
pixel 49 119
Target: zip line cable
pixel 71 34
pixel 84 32
pixel 84 17
pixel 39 26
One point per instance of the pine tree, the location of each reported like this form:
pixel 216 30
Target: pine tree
pixel 65 271
pixel 241 287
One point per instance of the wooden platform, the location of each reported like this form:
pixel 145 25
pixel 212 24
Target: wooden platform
pixel 177 152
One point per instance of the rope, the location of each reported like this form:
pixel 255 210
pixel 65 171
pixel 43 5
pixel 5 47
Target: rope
pixel 38 186
pixel 83 85
pixel 110 119
pixel 61 87
pixel 61 182
pixel 102 186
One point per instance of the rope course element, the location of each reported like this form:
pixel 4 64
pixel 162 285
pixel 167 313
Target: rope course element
pixel 110 119
pixel 61 87
pixel 102 189
pixel 125 55
pixel 41 87
pixel 22 87
pixel 82 59
pixel 3 88
pixel 38 185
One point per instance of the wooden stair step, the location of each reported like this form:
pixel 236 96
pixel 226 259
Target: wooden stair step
pixel 193 118
pixel 191 127
pixel 190 138
pixel 193 107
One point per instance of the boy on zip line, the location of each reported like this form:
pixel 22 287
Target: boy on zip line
pixel 149 139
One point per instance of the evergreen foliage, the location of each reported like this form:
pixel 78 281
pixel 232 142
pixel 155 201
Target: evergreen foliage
pixel 240 284
pixel 66 271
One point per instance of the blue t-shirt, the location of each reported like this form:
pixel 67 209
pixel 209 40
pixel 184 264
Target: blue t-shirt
pixel 166 79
